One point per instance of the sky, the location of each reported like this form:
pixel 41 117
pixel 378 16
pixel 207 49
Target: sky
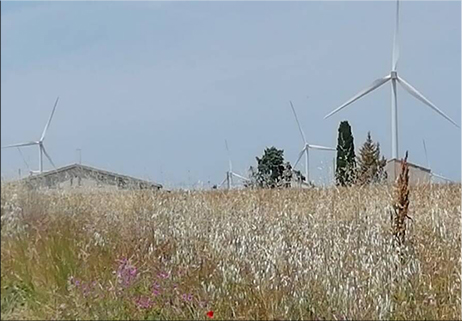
pixel 153 89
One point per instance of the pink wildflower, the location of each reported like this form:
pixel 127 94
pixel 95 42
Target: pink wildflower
pixel 144 303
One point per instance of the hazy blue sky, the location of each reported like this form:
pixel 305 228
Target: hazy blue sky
pixel 152 89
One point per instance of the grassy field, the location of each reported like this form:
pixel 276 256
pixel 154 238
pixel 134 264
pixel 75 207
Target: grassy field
pixel 261 254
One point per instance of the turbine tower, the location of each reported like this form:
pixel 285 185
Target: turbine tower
pixel 230 174
pixel 395 79
pixel 42 150
pixel 306 147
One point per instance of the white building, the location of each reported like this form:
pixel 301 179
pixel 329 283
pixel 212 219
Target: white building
pixel 77 176
pixel 417 174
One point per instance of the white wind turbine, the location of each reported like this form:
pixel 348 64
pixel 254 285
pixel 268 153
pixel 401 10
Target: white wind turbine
pixel 40 144
pixel 393 76
pixel 230 174
pixel 306 148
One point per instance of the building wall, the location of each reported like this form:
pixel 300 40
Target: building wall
pixel 76 178
pixel 416 175
pixel 77 182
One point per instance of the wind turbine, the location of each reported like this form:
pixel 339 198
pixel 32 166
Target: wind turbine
pixel 230 174
pixel 306 147
pixel 395 79
pixel 40 144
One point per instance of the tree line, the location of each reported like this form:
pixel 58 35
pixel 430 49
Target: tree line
pixel 273 171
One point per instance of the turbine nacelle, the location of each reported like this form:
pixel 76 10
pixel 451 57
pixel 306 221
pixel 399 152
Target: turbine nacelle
pixel 393 76
pixel 306 146
pixel 39 142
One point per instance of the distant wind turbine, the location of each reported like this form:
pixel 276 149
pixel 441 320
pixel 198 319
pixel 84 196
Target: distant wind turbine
pixel 42 150
pixel 230 174
pixel 306 148
pixel 393 76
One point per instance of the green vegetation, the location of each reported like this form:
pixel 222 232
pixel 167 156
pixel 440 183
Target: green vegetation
pixel 248 254
pixel 371 168
pixel 345 173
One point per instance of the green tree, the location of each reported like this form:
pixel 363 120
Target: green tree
pixel 271 169
pixel 345 173
pixel 371 169
pixel 367 162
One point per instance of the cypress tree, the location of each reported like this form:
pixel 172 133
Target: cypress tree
pixel 345 173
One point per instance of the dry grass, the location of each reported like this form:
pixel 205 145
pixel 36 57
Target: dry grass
pixel 263 254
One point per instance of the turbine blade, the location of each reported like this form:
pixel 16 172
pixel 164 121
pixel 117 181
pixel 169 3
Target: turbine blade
pixel 299 156
pixel 421 97
pixel 239 176
pixel 49 120
pixel 396 39
pixel 441 177
pixel 298 123
pixel 48 156
pixel 221 184
pixel 23 158
pixel 426 155
pixel 321 147
pixel 20 145
pixel 376 84
pixel 229 157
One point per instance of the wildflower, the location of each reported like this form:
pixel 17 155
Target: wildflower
pixel 126 273
pixel 190 297
pixel 210 314
pixel 155 292
pixel 144 303
pixel 132 271
pixel 163 275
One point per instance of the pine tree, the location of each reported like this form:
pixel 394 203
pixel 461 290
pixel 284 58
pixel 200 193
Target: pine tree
pixel 346 159
pixel 371 169
pixel 367 161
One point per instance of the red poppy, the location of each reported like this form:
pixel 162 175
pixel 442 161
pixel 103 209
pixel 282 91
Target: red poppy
pixel 210 314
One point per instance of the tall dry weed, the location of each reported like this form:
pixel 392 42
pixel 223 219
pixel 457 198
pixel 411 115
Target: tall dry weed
pixel 401 203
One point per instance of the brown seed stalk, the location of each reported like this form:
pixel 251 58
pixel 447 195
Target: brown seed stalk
pixel 401 203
